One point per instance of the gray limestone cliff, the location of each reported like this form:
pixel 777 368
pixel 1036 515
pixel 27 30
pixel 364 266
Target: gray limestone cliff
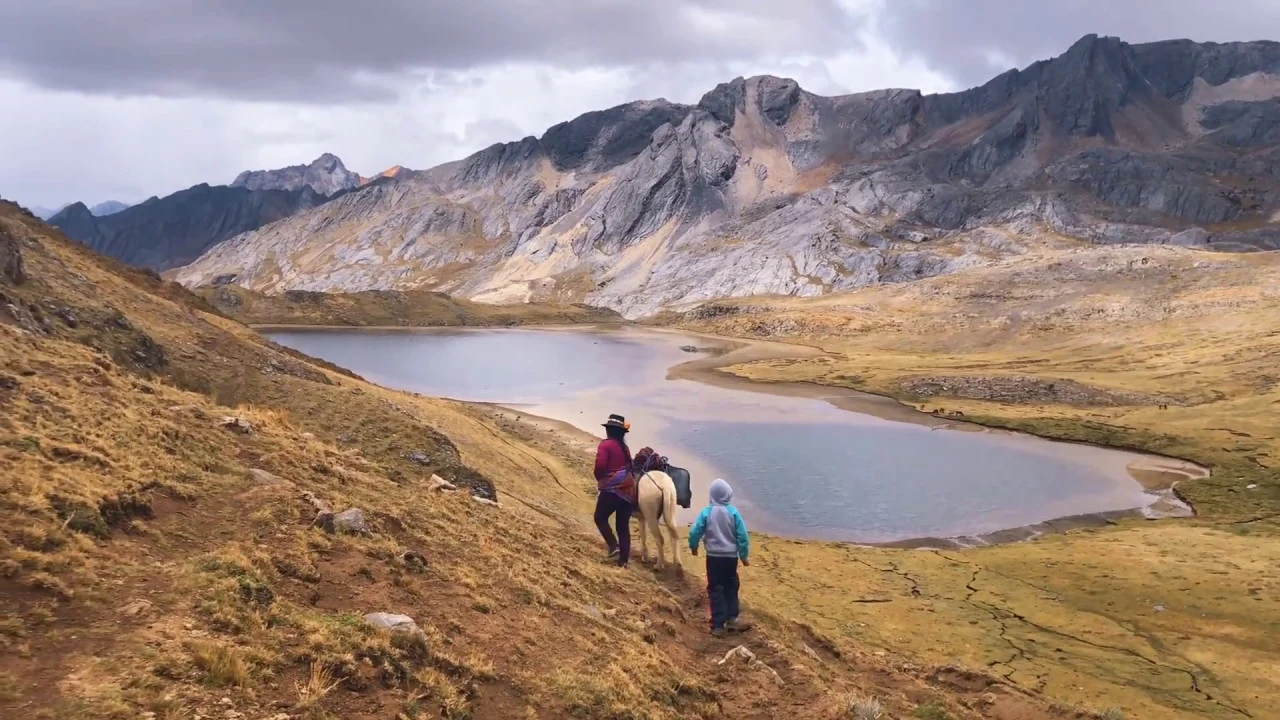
pixel 763 187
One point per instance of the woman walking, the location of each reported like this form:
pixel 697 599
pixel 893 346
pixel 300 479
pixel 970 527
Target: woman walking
pixel 617 488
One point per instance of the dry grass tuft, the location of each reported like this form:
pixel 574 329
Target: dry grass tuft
pixel 864 708
pixel 319 683
pixel 223 665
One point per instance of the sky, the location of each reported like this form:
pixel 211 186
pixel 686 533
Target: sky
pixel 125 99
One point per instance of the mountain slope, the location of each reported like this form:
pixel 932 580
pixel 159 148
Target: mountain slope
pixel 110 207
pixel 162 233
pixel 763 187
pixel 325 175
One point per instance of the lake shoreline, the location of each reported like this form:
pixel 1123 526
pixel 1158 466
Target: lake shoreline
pixel 1157 479
pixel 525 425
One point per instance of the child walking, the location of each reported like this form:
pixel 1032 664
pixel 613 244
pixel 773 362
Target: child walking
pixel 721 527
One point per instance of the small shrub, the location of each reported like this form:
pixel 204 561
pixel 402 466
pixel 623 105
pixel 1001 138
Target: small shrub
pixel 865 708
pixel 932 711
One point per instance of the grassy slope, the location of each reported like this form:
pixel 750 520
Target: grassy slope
pixel 389 308
pixel 1167 619
pixel 142 568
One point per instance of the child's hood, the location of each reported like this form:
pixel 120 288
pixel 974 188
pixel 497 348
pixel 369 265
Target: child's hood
pixel 721 493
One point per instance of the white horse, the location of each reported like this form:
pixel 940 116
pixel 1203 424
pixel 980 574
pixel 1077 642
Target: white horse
pixel 656 507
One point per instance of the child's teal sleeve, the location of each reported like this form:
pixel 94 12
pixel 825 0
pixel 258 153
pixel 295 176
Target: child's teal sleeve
pixel 740 529
pixel 699 528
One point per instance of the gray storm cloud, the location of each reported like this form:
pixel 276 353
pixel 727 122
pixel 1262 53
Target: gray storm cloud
pixel 339 50
pixel 972 40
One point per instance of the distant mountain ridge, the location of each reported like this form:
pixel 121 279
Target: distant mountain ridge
pixel 765 188
pixel 164 233
pixel 109 207
pixel 325 175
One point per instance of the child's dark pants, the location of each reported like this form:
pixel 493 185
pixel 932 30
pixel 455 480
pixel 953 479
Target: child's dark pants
pixel 722 589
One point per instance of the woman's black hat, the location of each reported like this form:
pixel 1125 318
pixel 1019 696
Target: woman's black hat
pixel 617 421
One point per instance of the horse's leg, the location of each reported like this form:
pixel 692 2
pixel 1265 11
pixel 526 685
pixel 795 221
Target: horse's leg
pixel 657 533
pixel 675 534
pixel 644 532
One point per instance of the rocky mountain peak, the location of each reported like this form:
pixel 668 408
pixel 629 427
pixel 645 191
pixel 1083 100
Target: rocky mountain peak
pixel 604 139
pixel 763 187
pixel 325 175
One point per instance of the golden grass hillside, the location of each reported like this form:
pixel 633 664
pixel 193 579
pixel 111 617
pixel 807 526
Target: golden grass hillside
pixel 162 556
pixel 1155 348
pixel 389 308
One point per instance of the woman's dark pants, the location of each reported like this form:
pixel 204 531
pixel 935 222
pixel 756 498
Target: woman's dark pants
pixel 609 504
pixel 722 589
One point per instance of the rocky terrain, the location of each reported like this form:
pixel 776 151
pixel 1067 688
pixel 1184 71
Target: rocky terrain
pixel 326 175
pixel 390 308
pixel 763 187
pixel 202 524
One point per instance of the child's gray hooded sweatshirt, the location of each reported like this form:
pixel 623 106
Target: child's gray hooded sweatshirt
pixel 720 526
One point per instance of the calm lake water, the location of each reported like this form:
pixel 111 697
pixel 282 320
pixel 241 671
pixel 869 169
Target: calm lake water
pixel 799 466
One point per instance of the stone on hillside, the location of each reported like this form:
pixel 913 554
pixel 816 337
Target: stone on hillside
pixel 418 457
pixel 484 501
pixel 235 424
pixel 262 477
pixel 351 521
pixel 11 266
pixel 752 661
pixel 394 623
pixel 440 484
pixel 137 607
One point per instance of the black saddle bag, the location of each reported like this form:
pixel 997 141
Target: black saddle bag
pixel 684 488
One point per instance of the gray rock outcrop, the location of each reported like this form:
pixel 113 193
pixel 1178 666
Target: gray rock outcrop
pixel 326 175
pixel 765 188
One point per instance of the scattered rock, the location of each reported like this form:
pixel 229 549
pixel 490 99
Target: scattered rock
pixel 414 560
pixel 135 608
pixel 813 655
pixel 419 458
pixel 1023 389
pixel 11 266
pixel 484 501
pixel 394 623
pixel 235 424
pixel 9 382
pixel 1250 486
pixel 351 521
pixel 262 477
pixel 314 501
pixel 308 436
pixel 1159 608
pixel 752 661
pixel 68 317
pixel 690 348
pixel 440 484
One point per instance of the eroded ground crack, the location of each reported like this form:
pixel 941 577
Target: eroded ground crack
pixel 992 610
pixel 895 570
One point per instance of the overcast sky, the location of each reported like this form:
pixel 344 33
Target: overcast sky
pixel 123 99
